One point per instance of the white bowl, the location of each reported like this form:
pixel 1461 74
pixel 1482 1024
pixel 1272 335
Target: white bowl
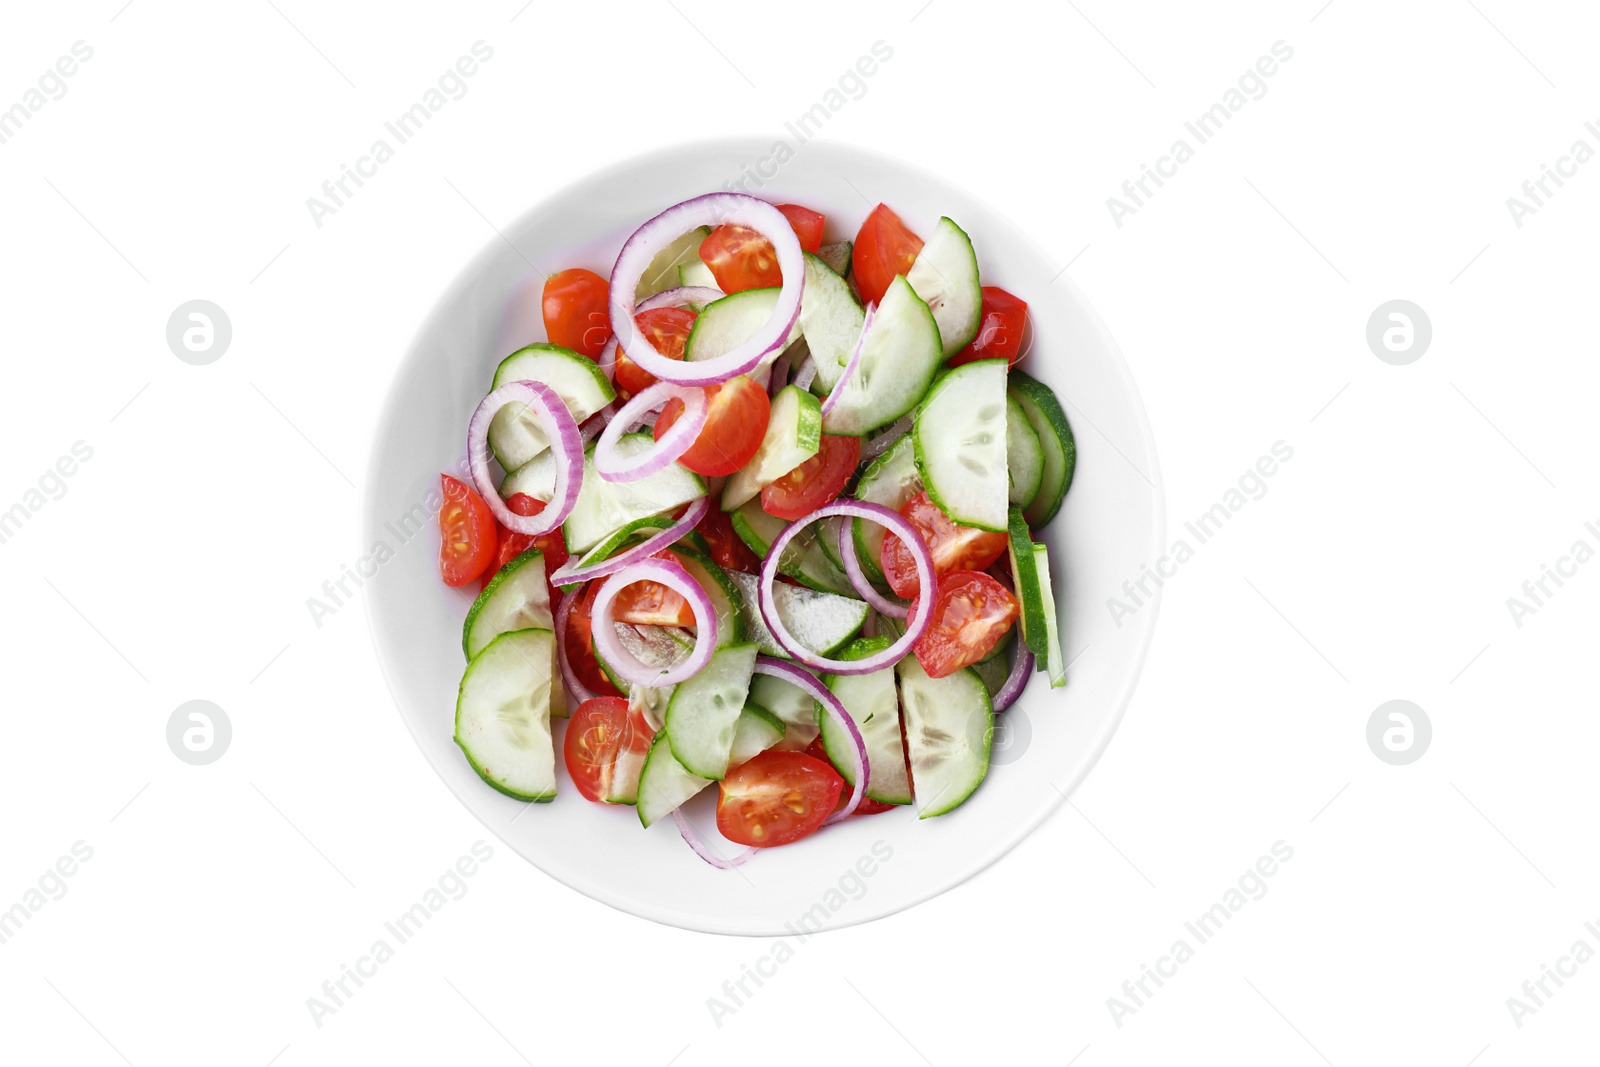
pixel 1112 523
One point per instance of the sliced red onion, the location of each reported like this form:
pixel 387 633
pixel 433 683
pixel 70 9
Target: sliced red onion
pixel 566 445
pixel 858 577
pixel 575 570
pixel 674 443
pixel 596 422
pixel 850 364
pixel 682 296
pixel 922 607
pixel 608 359
pixel 1017 680
pixel 712 209
pixel 874 447
pixel 672 575
pixel 704 850
pixel 805 373
pixel 579 691
pixel 809 683
pixel 780 374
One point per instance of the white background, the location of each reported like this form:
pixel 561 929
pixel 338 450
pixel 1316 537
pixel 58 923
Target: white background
pixel 1377 566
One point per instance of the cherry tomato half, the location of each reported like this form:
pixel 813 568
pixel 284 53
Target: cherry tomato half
pixel 971 614
pixel 1000 326
pixel 815 482
pixel 665 328
pixel 776 798
pixel 513 544
pixel 580 644
pixel 467 537
pixel 736 421
pixel 576 308
pixel 884 248
pixel 953 547
pixel 728 549
pixel 602 730
pixel 868 806
pixel 740 258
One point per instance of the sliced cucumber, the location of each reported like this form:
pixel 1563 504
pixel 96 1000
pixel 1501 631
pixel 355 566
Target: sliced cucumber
pixel 822 622
pixel 794 434
pixel 725 596
pixel 1024 455
pixel 945 274
pixel 503 714
pixel 804 559
pixel 725 324
pixel 604 507
pixel 794 707
pixel 898 362
pixel 1044 414
pixel 662 273
pixel 960 435
pixel 1054 661
pixel 514 434
pixel 892 480
pixel 837 257
pixel 697 273
pixel 828 539
pixel 704 710
pixel 516 598
pixel 535 478
pixel 994 671
pixel 830 321
pixel 1025 576
pixel 873 702
pixel 949 727
pixel 664 784
pixel 633 533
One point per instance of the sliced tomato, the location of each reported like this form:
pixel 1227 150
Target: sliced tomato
pixel 513 544
pixel 728 549
pixel 665 328
pixel 971 614
pixel 651 604
pixel 776 798
pixel 740 258
pixel 884 248
pixel 868 806
pixel 954 547
pixel 815 482
pixel 601 730
pixel 1000 324
pixel 807 225
pixel 736 421
pixel 467 537
pixel 580 645
pixel 576 308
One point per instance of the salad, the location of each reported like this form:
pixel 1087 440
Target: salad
pixel 759 514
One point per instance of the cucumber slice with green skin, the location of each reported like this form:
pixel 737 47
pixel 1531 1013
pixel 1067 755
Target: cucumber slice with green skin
pixel 636 531
pixel 945 274
pixel 1025 576
pixel 1044 414
pixel 503 714
pixel 704 710
pixel 1024 455
pixel 899 358
pixel 828 537
pixel 665 785
pixel 804 560
pixel 837 257
pixel 621 782
pixel 1052 659
pixel 994 671
pixel 821 622
pixel 873 702
pixel 696 273
pixel 794 435
pixel 516 436
pixel 725 596
pixel 535 478
pixel 793 706
pixel 662 273
pixel 949 725
pixel 960 435
pixel 892 480
pixel 830 321
pixel 604 507
pixel 725 324
pixel 516 598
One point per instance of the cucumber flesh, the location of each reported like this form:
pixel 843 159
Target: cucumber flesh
pixel 1025 576
pixel 795 708
pixel 945 274
pixel 794 434
pixel 1024 455
pixel 516 598
pixel 604 507
pixel 949 725
pixel 830 321
pixel 503 714
pixel 821 622
pixel 892 480
pixel 515 435
pixel 1044 414
pixel 804 559
pixel 960 435
pixel 705 709
pixel 1054 661
pixel 729 322
pixel 665 785
pixel 874 703
pixel 698 274
pixel 900 355
pixel 662 273
pixel 535 478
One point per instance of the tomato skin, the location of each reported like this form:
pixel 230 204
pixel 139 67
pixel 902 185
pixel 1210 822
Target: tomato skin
pixel 776 798
pixel 580 644
pixel 665 328
pixel 971 614
pixel 1000 325
pixel 513 544
pixel 576 306
pixel 815 482
pixel 736 420
pixel 953 547
pixel 740 258
pixel 601 730
pixel 868 806
pixel 467 537
pixel 884 248
pixel 728 550
pixel 807 225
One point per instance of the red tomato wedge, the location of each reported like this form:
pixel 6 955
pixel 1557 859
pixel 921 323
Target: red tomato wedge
pixel 1000 325
pixel 868 806
pixel 807 225
pixel 467 537
pixel 513 544
pixel 884 248
pixel 728 550
pixel 776 798
pixel 576 310
pixel 971 613
pixel 736 421
pixel 740 258
pixel 954 547
pixel 601 731
pixel 665 328
pixel 815 482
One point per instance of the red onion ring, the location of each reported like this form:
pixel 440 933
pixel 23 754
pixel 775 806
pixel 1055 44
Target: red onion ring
pixel 805 373
pixel 922 607
pixel 674 443
pixel 596 422
pixel 573 571
pixel 850 364
pixel 808 682
pixel 712 209
pixel 1017 680
pixel 608 359
pixel 565 445
pixel 672 575
pixel 858 577
pixel 703 850
pixel 779 375
pixel 569 676
pixel 877 446
pixel 682 296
